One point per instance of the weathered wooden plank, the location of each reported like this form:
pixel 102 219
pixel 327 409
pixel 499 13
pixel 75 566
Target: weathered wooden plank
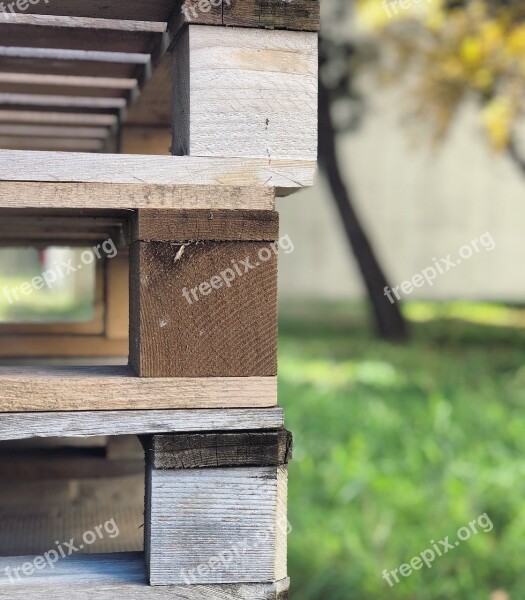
pixel 225 525
pixel 116 388
pixel 53 144
pixel 80 34
pixel 224 449
pixel 160 225
pixel 59 101
pixel 160 170
pixel 297 15
pixel 41 345
pixel 111 576
pixel 19 426
pixel 57 118
pixel 134 10
pixel 57 66
pixel 131 195
pixel 203 309
pixel 246 93
pixel 53 131
pixel 68 81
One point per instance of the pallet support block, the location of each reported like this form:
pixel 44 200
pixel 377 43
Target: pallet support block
pixel 244 92
pixel 201 304
pixel 219 524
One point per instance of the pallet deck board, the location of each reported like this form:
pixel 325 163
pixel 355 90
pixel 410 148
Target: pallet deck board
pixel 127 196
pixel 157 170
pixel 19 426
pixel 117 388
pixel 118 575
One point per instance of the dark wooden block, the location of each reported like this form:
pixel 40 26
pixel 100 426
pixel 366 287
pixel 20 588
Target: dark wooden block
pixel 296 15
pixel 203 309
pixel 164 225
pixel 219 449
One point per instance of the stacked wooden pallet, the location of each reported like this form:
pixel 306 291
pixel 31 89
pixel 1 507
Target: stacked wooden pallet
pixel 235 81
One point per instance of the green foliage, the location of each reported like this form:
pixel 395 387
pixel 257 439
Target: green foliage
pixel 400 445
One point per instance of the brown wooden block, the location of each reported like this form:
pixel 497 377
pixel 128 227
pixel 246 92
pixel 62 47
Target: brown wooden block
pixel 203 309
pixel 160 225
pixel 219 449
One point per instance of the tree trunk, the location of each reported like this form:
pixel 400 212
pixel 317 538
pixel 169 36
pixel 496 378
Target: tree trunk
pixel 389 321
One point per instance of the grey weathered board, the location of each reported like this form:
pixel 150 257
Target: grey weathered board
pixel 225 525
pixel 117 576
pixel 18 426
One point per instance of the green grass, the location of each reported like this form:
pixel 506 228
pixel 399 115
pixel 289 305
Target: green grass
pixel 397 445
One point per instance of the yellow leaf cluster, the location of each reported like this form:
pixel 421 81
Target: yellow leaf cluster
pixel 477 50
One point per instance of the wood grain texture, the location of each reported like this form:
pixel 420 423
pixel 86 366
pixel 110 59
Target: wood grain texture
pixel 159 170
pixel 251 93
pixel 132 196
pixel 79 34
pixel 298 15
pixel 19 426
pixel 215 525
pixel 224 449
pixel 41 345
pixel 230 330
pixel 135 10
pixel 204 225
pixel 144 139
pixel 57 118
pixel 118 575
pixel 56 66
pixel 114 388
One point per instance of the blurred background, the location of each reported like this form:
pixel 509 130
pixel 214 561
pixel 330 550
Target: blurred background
pixel 409 418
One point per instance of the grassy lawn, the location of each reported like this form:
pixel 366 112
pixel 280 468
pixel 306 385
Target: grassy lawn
pixel 397 445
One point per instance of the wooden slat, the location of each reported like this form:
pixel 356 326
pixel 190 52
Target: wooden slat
pixel 64 102
pixel 71 81
pixel 51 144
pixel 135 10
pixel 111 576
pixel 41 345
pixel 212 225
pixel 165 170
pixel 246 92
pixel 195 515
pixel 225 449
pixel 106 388
pixel 80 424
pixel 57 118
pixel 77 35
pixel 229 330
pixel 63 91
pixel 48 195
pixel 53 131
pixel 55 66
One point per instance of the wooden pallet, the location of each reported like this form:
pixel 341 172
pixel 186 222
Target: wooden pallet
pixel 169 126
